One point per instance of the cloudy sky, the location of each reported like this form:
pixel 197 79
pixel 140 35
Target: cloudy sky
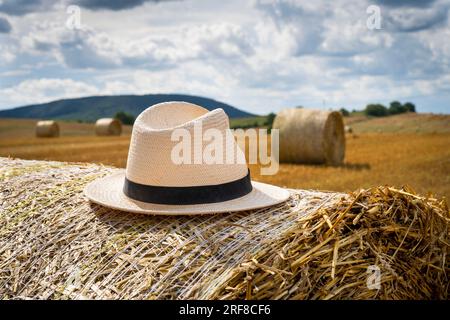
pixel 257 55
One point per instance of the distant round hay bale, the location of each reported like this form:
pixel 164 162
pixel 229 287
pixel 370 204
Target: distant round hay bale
pixel 47 129
pixel 108 127
pixel 311 136
pixel 348 129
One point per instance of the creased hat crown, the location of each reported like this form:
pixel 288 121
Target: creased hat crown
pixel 150 160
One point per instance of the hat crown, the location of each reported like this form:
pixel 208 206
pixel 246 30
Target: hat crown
pixel 150 158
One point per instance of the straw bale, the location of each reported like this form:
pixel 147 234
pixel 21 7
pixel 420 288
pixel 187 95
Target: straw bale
pixel 47 129
pixel 108 127
pixel 311 136
pixel 348 129
pixel 54 244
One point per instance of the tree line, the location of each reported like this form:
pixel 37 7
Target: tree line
pixel 379 110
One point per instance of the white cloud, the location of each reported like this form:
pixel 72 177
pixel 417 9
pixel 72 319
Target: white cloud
pixel 416 19
pixel 7 54
pixel 43 90
pixel 91 48
pixel 259 55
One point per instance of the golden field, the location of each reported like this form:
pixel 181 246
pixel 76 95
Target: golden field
pixel 410 149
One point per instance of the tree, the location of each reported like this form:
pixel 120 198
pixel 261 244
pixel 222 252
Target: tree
pixel 269 120
pixel 396 108
pixel 376 110
pixel 410 107
pixel 344 112
pixel 124 117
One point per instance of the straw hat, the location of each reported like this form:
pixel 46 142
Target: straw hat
pixel 153 183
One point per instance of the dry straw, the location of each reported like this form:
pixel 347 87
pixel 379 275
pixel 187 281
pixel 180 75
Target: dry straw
pixel 47 129
pixel 108 127
pixel 311 136
pixel 348 129
pixel 319 245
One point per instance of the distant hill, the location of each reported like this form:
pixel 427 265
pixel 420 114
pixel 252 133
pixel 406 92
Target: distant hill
pixel 92 108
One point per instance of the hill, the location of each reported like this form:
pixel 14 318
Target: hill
pixel 91 108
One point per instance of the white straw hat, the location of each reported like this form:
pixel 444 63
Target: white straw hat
pixel 153 183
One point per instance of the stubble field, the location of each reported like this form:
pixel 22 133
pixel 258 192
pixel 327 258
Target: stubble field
pixel 401 150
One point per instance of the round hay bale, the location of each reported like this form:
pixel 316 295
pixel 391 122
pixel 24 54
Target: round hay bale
pixel 318 245
pixel 108 127
pixel 47 129
pixel 311 136
pixel 348 129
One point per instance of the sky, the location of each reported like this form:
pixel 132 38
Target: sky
pixel 259 55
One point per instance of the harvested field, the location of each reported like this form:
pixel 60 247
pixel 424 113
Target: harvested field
pixel 25 129
pixel 55 244
pixel 402 123
pixel 421 161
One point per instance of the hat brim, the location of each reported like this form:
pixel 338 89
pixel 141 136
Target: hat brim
pixel 108 192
